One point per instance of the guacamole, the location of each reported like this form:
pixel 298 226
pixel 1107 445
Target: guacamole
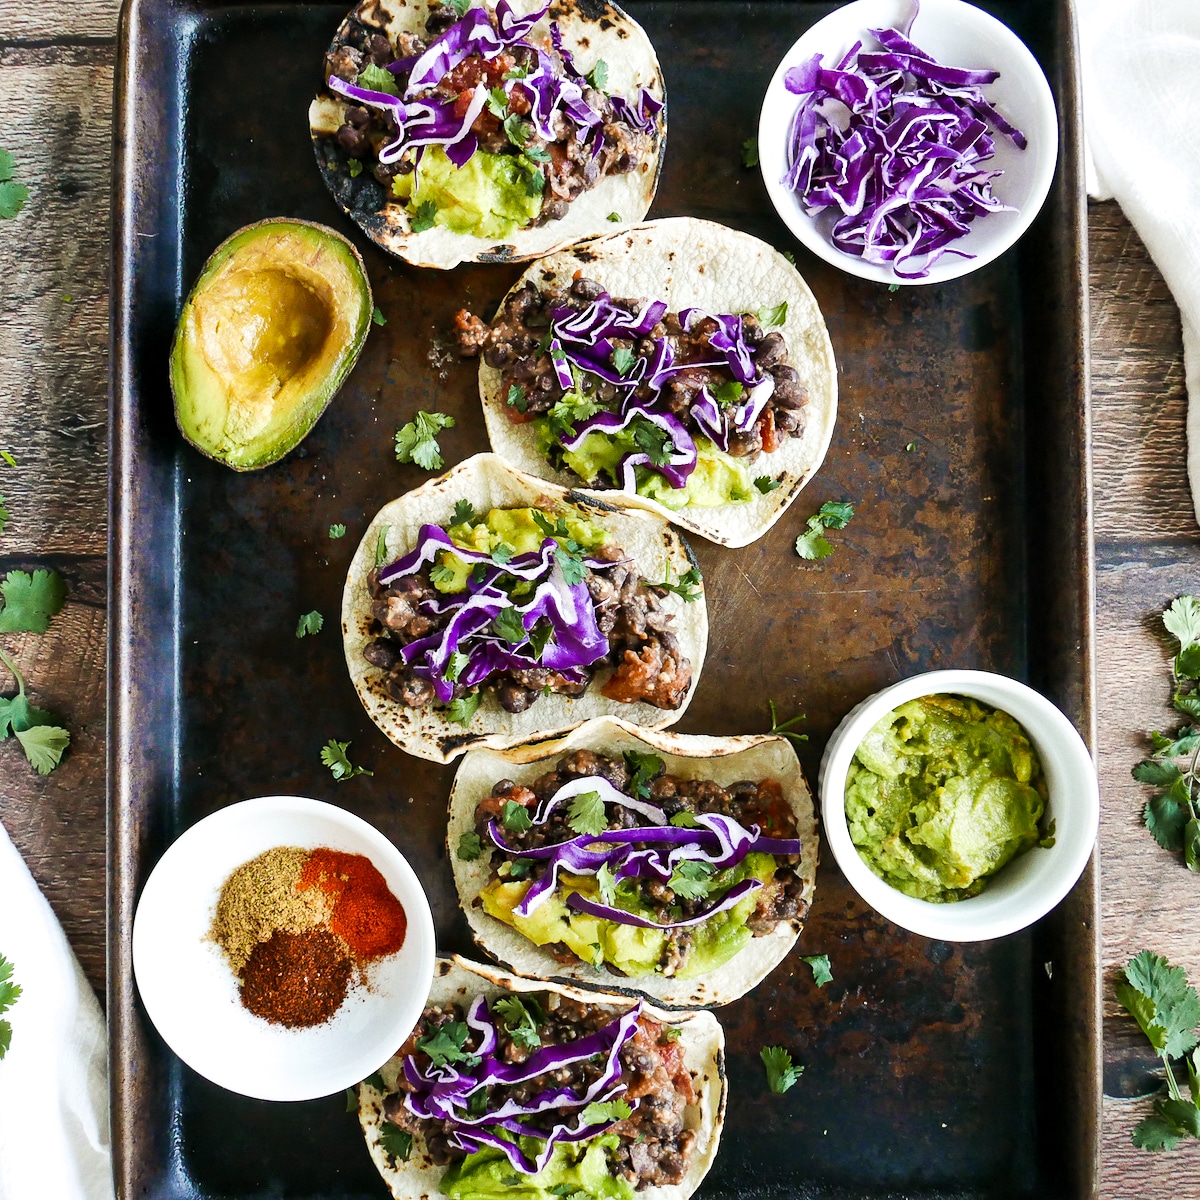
pixel 573 1170
pixel 942 792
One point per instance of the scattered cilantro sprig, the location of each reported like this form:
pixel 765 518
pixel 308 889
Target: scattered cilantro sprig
pixel 750 152
pixel 10 993
pixel 781 1075
pixel 1173 815
pixel 688 588
pixel 30 601
pixel 423 218
pixel 337 531
pixel 642 769
pixel 12 194
pixel 1159 997
pixel 416 441
pixel 470 846
pixel 833 514
pixel 395 1141
pixel 462 710
pixel 310 624
pixel 521 1018
pixel 822 974
pixel 785 729
pixel 333 755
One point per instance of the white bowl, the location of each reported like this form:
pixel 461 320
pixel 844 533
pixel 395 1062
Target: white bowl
pixel 1028 887
pixel 191 994
pixel 956 34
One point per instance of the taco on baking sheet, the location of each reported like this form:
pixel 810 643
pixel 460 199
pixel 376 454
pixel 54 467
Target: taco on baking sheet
pixel 510 1086
pixel 488 607
pixel 676 866
pixel 457 132
pixel 680 366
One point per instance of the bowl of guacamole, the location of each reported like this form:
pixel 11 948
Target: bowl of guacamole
pixel 961 805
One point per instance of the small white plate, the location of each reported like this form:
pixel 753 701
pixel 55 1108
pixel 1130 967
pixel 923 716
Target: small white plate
pixel 956 34
pixel 1025 889
pixel 191 994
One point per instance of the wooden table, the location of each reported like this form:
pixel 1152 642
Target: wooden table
pixel 55 117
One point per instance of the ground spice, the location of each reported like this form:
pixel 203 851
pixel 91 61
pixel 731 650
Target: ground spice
pixel 297 979
pixel 260 897
pixel 365 914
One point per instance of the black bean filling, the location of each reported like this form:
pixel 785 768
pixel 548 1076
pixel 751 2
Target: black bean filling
pixel 571 170
pixel 515 344
pixel 649 663
pixel 654 1148
pixel 750 802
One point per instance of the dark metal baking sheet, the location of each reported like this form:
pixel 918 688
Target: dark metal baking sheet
pixel 933 1070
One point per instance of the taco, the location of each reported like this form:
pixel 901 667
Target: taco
pixel 678 867
pixel 455 133
pixel 512 1086
pixel 681 367
pixel 488 607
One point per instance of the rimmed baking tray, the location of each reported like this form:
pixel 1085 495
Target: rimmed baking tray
pixel 932 1070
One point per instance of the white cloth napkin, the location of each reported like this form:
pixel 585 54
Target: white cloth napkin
pixel 54 1142
pixel 1141 109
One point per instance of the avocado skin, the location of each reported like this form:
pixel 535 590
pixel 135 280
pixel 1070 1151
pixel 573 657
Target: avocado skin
pixel 298 291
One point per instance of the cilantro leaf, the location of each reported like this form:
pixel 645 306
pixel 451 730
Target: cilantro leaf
pixel 423 218
pixel 446 1044
pixel 43 746
pixel 7 166
pixel 598 75
pixel 375 1080
pixel 333 755
pixel 463 709
pixel 518 131
pixel 508 625
pixel 772 318
pixel 464 513
pixel 515 817
pixel 502 553
pixel 517 398
pixel 571 565
pixel 454 665
pixel 623 359
pixel 652 441
pixel 586 814
pixel 609 1110
pixel 813 545
pixel 728 393
pixel 461 7
pixel 309 624
pixel 470 847
pixel 351 1100
pixel 615 217
pixel 1156 1133
pixel 750 152
pixel 688 587
pixel 381 549
pixel 337 531
pixel 833 514
pixel 642 769
pixel 781 1075
pixel 691 880
pixel 766 484
pixel 820 968
pixel 30 601
pixel 1160 774
pixel 539 637
pixel 836 514
pixel 395 1141
pixel 3 514
pixel 377 317
pixel 685 819
pixel 416 441
pixel 377 79
pixel 1166 818
pixel 12 198
pixel 533 153
pixel 518 1021
pixel 607 884
pixel 497 102
pixel 10 993
pixel 1182 621
pixel 355 166
pixel 1162 1001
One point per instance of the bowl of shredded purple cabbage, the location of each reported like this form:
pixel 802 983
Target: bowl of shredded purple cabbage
pixel 908 141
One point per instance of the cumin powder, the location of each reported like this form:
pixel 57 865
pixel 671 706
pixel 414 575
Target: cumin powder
pixel 262 896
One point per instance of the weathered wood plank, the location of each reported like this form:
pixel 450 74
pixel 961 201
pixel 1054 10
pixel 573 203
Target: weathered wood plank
pixel 35 20
pixel 1137 389
pixel 54 350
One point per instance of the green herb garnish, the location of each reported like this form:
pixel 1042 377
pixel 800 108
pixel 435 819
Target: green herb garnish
pixel 416 441
pixel 833 514
pixel 309 624
pixel 333 755
pixel 781 1075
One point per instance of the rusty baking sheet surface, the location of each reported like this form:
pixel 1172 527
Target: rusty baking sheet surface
pixel 932 1070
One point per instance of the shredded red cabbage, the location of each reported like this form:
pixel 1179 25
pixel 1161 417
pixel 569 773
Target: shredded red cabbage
pixel 646 851
pixel 575 640
pixel 582 339
pixel 550 87
pixel 444 1093
pixel 899 145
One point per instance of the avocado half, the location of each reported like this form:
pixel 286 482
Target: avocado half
pixel 266 338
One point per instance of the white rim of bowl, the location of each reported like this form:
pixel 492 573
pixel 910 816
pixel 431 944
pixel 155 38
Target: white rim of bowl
pixel 1051 728
pixel 420 925
pixel 948 267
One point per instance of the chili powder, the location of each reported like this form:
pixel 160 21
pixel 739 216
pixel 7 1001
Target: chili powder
pixel 296 979
pixel 366 916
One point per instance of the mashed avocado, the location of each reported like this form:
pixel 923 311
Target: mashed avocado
pixel 631 949
pixel 718 478
pixel 941 794
pixel 491 196
pixel 511 527
pixel 572 1170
